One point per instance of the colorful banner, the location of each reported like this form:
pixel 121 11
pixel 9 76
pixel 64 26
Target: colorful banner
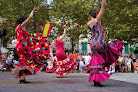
pixel 46 29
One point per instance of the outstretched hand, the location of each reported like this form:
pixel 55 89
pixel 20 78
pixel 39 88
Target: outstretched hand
pixel 64 26
pixel 33 11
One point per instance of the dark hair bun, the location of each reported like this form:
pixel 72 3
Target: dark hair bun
pixel 21 19
pixel 92 13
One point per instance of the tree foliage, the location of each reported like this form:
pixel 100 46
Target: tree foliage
pixel 11 9
pixel 120 18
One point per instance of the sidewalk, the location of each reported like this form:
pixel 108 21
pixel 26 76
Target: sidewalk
pixel 127 77
pixel 74 82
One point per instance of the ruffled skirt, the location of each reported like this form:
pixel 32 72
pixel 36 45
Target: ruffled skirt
pixel 100 60
pixel 65 66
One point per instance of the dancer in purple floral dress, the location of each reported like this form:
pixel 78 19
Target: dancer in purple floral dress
pixel 102 54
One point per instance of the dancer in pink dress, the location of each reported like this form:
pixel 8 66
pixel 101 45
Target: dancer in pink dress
pixel 64 63
pixel 103 55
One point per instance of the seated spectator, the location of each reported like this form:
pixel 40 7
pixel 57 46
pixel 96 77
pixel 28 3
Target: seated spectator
pixel 112 69
pixel 9 62
pixel 1 66
pixel 3 61
pixel 123 67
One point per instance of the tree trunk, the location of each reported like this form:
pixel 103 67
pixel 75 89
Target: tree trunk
pixel 34 23
pixel 72 45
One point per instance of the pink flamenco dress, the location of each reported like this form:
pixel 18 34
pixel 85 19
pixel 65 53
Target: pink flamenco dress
pixel 103 55
pixel 33 50
pixel 64 64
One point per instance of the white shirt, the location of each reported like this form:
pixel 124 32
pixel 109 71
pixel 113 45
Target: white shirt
pixel 14 42
pixel 87 59
pixel 9 60
pixel 126 60
pixel 129 61
pixel 81 63
pixel 1 66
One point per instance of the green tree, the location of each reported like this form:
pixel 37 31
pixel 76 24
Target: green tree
pixel 11 9
pixel 72 12
pixel 121 20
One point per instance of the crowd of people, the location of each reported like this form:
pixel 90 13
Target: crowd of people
pixel 127 64
pixel 123 64
pixel 6 61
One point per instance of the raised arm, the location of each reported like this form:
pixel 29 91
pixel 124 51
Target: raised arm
pixel 29 18
pixel 99 16
pixel 52 44
pixel 63 35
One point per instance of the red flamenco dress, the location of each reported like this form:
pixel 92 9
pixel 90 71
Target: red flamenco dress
pixel 64 64
pixel 33 50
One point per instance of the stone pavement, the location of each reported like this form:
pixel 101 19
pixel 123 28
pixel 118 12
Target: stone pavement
pixel 127 77
pixel 74 82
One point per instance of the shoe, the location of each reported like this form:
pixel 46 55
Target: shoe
pixel 59 75
pixel 95 83
pixel 98 84
pixel 23 81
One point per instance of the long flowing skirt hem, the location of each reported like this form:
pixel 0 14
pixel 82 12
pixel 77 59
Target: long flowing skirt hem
pixel 65 66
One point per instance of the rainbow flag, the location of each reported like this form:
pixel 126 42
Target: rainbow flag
pixel 46 29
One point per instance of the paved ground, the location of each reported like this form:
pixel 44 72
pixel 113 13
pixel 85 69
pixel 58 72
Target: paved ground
pixel 75 82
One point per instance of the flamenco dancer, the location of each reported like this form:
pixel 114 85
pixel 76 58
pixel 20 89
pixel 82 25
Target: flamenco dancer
pixel 64 64
pixel 32 50
pixel 103 55
pixel 51 62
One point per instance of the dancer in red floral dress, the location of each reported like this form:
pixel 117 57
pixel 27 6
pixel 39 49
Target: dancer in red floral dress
pixel 32 49
pixel 64 64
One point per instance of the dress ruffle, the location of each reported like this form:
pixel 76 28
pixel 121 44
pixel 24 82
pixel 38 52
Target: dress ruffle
pixel 112 54
pixel 33 50
pixel 99 77
pixel 101 60
pixel 65 66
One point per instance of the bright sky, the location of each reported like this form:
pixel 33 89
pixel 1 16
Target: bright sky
pixel 49 1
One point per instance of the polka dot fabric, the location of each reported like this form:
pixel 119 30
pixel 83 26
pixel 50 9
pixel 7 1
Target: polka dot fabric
pixel 33 50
